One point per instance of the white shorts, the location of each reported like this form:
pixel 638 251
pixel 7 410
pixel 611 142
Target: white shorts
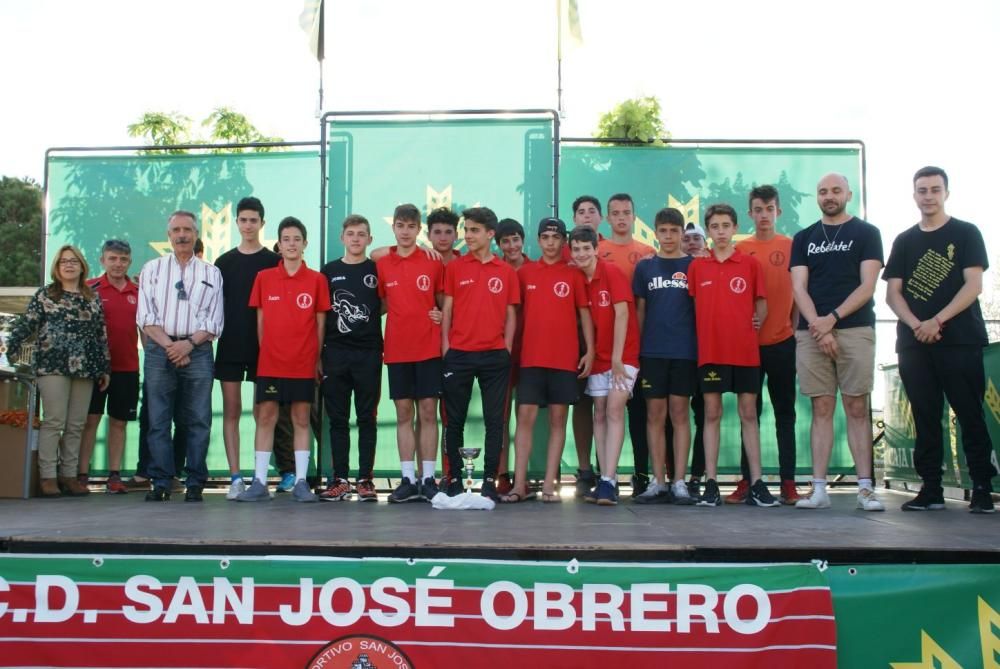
pixel 599 385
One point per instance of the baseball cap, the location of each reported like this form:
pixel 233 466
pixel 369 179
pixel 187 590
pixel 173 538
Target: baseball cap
pixel 694 229
pixel 551 225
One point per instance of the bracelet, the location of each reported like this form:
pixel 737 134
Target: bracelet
pixel 835 315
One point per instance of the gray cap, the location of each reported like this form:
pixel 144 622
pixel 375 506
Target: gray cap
pixel 551 225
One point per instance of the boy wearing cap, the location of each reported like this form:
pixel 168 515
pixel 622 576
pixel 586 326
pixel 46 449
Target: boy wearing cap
pixel 477 333
pixel 694 246
pixel 729 299
pixel 553 296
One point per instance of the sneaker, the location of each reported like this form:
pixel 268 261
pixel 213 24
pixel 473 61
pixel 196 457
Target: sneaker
pixel 653 494
pixel 694 487
pixel 816 499
pixel 682 496
pixel 930 498
pixel 982 501
pixel 406 491
pixel 114 486
pixel 135 482
pixel 429 488
pixel 585 482
pixel 504 484
pixel 158 494
pixel 640 482
pixel 761 496
pixel 591 496
pixel 869 501
pixel 236 488
pixel 489 489
pixel 740 495
pixel 337 490
pixel 789 494
pixel 287 483
pixel 454 487
pixel 303 493
pixel 193 494
pixel 711 496
pixel 257 492
pixel 606 494
pixel 366 491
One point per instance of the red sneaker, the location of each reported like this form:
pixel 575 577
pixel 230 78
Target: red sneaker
pixel 338 490
pixel 789 495
pixel 366 491
pixel 739 496
pixel 115 486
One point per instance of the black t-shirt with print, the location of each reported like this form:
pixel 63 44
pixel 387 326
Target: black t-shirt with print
pixel 931 266
pixel 833 254
pixel 355 320
pixel 238 342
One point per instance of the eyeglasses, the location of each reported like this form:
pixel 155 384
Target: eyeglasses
pixel 119 245
pixel 69 261
pixel 181 293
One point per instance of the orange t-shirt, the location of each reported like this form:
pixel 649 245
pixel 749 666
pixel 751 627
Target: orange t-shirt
pixel 624 256
pixel 773 256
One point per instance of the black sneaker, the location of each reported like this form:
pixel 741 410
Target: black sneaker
pixel 655 494
pixel 711 496
pixel 455 488
pixel 694 487
pixel 406 491
pixel 930 498
pixel 639 484
pixel 585 482
pixel 982 501
pixel 429 488
pixel 761 496
pixel 489 489
pixel 158 494
pixel 193 494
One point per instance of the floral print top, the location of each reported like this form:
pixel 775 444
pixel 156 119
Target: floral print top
pixel 71 337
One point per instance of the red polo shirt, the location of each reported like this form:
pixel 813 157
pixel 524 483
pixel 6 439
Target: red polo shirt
pixel 119 317
pixel 724 295
pixel 409 286
pixel 550 297
pixel 607 288
pixel 480 292
pixel 289 346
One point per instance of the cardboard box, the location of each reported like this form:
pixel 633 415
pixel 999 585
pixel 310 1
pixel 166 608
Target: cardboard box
pixel 13 450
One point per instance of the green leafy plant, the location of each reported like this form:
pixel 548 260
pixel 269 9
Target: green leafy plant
pixel 225 126
pixel 635 118
pixel 159 129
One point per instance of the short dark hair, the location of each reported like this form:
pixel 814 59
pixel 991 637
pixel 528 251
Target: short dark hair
pixel 483 216
pixel 931 171
pixel 199 246
pixel 586 198
pixel 116 245
pixel 406 212
pixel 621 197
pixel 250 204
pixel 584 235
pixel 507 227
pixel 442 216
pixel 356 219
pixel 291 222
pixel 720 209
pixel 669 216
pixel 765 193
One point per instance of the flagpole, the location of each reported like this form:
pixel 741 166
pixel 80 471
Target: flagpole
pixel 321 53
pixel 559 22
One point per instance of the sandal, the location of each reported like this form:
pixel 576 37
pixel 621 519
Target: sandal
pixel 551 498
pixel 511 498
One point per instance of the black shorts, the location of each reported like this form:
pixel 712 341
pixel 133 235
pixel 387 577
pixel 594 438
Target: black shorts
pixel 660 377
pixel 284 391
pixel 121 396
pixel 543 386
pixel 235 371
pixel 415 380
pixel 729 379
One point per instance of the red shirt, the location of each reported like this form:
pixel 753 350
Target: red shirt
pixel 724 296
pixel 409 285
pixel 480 292
pixel 120 307
pixel 289 345
pixel 550 297
pixel 515 349
pixel 607 288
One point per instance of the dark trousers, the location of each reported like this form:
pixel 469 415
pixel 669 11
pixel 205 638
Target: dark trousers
pixel 929 374
pixel 777 363
pixel 492 370
pixel 697 468
pixel 347 371
pixel 636 408
pixel 179 438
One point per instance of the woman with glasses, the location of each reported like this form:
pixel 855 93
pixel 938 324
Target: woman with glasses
pixel 71 354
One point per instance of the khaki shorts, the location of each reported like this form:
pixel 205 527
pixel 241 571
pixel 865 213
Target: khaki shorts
pixel 853 372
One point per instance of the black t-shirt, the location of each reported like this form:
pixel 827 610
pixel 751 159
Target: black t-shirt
pixel 930 265
pixel 238 342
pixel 833 254
pixel 355 321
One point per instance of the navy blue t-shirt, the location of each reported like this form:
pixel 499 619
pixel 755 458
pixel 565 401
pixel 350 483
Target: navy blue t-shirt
pixel 668 328
pixel 355 320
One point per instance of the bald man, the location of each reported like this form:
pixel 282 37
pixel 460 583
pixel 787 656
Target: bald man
pixel 835 264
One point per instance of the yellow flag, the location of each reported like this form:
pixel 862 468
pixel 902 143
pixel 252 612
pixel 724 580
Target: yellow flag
pixel 570 35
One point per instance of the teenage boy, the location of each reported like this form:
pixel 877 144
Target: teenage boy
pixel 935 275
pixel 694 245
pixel 119 298
pixel 553 296
pixel 352 360
pixel 410 285
pixel 236 355
pixel 729 300
pixel 442 230
pixel 477 333
pixel 291 302
pixel 669 354
pixel 616 357
pixel 776 339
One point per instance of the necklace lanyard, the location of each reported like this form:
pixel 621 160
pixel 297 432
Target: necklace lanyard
pixel 830 242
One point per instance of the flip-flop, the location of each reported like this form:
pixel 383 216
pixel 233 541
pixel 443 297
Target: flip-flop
pixel 511 498
pixel 531 496
pixel 551 498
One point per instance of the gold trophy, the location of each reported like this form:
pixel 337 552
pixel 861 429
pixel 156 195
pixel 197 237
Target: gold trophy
pixel 469 455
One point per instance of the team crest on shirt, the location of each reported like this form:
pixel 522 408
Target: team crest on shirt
pixel 304 300
pixel 370 280
pixel 738 284
pixel 634 257
pixel 777 258
pixel 561 289
pixel 131 299
pixel 603 299
pixel 495 285
pixel 424 282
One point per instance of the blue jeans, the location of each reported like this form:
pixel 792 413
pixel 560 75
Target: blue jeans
pixel 184 392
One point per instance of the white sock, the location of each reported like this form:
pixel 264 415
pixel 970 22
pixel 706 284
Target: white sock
pixel 609 479
pixel 301 465
pixel 865 484
pixel 428 467
pixel 261 461
pixel 409 470
pixel 819 485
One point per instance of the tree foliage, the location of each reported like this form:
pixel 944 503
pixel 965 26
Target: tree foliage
pixel 20 232
pixel 224 126
pixel 635 118
pixel 159 129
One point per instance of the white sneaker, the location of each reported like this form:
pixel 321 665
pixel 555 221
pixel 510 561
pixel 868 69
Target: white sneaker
pixel 817 499
pixel 235 488
pixel 869 501
pixel 681 494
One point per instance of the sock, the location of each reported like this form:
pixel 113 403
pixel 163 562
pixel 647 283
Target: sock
pixel 301 464
pixel 233 478
pixel 819 485
pixel 409 470
pixel 261 461
pixel 114 473
pixel 865 484
pixel 428 467
pixel 609 479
